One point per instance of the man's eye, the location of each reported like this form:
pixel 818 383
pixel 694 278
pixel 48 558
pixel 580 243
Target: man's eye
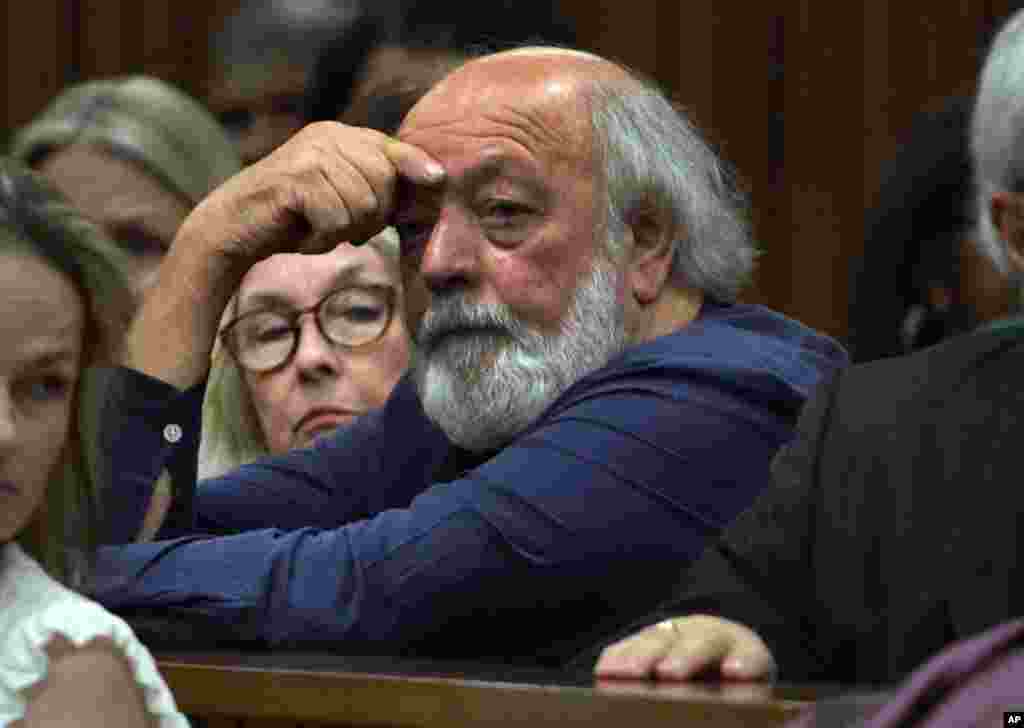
pixel 504 212
pixel 412 236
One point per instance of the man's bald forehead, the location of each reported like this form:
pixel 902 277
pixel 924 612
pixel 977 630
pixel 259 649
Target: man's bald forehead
pixel 541 61
pixel 542 77
pixel 544 53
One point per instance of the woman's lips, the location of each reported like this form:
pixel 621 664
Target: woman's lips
pixel 7 488
pixel 319 421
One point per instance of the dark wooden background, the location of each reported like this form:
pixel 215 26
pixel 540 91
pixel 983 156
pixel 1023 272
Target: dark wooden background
pixel 806 97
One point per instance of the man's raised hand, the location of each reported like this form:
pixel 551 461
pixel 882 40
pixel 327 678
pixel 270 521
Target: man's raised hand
pixel 327 184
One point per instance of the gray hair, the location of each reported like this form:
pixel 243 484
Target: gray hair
pixel 656 162
pixel 997 132
pixel 231 433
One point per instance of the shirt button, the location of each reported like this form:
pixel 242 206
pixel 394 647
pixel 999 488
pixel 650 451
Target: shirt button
pixel 172 433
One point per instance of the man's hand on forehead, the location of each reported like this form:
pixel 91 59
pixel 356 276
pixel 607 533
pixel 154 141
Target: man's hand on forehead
pixel 329 182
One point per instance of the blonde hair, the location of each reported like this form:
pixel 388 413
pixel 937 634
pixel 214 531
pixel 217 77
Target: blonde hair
pixel 36 218
pixel 142 120
pixel 231 432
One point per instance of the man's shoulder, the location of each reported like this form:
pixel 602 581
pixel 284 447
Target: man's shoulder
pixel 977 371
pixel 750 331
pixel 741 340
pixel 736 355
pixel 947 366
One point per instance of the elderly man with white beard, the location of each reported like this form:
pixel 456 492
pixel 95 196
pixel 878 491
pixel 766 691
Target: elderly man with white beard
pixel 587 406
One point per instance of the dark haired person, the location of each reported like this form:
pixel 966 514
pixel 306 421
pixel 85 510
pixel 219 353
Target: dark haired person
pixel 262 59
pixel 891 528
pixel 413 44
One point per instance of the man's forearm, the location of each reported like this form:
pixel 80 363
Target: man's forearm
pixel 173 332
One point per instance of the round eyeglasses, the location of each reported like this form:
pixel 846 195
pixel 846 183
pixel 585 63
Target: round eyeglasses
pixel 349 317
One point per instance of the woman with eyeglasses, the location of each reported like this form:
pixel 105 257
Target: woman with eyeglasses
pixel 310 342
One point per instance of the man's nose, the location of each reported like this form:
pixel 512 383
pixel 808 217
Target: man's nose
pixel 315 357
pixel 451 254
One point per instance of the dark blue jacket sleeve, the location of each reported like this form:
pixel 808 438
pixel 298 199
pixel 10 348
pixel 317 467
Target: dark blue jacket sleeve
pixel 342 478
pixel 354 473
pixel 138 428
pixel 603 501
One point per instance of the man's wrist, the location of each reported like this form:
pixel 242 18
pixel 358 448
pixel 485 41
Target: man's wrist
pixel 173 332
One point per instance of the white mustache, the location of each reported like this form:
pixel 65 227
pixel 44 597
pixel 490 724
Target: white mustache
pixel 455 315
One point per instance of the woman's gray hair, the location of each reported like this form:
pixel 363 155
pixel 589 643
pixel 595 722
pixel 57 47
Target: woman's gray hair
pixel 657 164
pixel 997 132
pixel 143 120
pixel 231 432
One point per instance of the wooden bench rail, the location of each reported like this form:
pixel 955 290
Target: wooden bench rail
pixel 254 697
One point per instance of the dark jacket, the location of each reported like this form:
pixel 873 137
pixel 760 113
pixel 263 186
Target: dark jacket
pixel 891 527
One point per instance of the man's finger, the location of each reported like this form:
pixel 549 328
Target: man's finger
pixel 413 163
pixel 689 656
pixel 749 662
pixel 634 657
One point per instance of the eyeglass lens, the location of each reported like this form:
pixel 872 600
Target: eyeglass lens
pixel 347 317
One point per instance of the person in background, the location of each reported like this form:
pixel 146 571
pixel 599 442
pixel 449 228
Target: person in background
pixel 64 304
pixel 135 155
pixel 891 528
pixel 262 57
pixel 276 383
pixel 907 292
pixel 411 46
pixel 238 427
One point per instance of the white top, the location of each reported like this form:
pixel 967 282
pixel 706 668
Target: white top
pixel 34 609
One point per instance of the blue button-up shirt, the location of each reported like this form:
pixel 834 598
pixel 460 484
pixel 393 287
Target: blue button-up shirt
pixel 385 538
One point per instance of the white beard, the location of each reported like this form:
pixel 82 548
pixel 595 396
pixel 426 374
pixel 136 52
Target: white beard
pixel 486 385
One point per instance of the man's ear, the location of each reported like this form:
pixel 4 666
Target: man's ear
pixel 1007 210
pixel 650 254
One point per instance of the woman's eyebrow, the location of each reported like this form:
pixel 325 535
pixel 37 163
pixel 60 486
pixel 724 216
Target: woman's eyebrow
pixel 350 275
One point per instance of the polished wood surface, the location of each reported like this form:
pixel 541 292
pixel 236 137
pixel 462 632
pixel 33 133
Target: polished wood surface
pixel 256 690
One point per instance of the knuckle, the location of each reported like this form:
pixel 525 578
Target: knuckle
pixel 285 197
pixel 369 203
pixel 318 129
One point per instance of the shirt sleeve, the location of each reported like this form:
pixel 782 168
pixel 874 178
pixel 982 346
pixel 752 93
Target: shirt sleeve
pixel 358 471
pixel 142 426
pixel 591 513
pixel 146 426
pixel 26 661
